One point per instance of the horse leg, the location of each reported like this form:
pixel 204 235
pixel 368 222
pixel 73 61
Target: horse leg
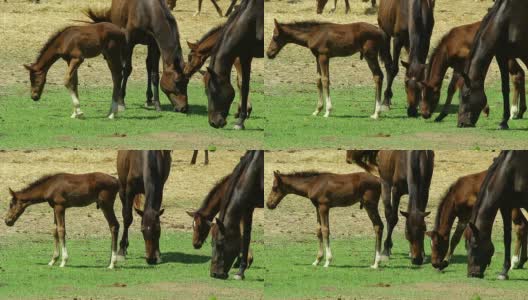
pixel 503 67
pixel 375 68
pixel 246 76
pixel 319 89
pixel 395 203
pixel 218 10
pixel 325 230
pixel 517 76
pixel 347 9
pixel 397 45
pixel 199 8
pixel 230 8
pixel 238 69
pixel 371 206
pixel 61 231
pixel 206 160
pixel 334 8
pixel 319 233
pixel 56 251
pixel 127 70
pixel 127 199
pixel 324 63
pixel 71 82
pixel 455 239
pixel 148 64
pixel 114 64
pixel 106 200
pixel 193 159
pixel 386 198
pixel 246 240
pixel 451 89
pixel 520 228
pixel 507 220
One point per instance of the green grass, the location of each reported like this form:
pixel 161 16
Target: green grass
pixel 291 125
pixel 291 275
pixel 25 124
pixel 184 274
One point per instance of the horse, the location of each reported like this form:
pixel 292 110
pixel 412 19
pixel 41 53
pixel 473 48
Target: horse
pixel 62 191
pixel 143 172
pixel 503 33
pixel 328 190
pixel 410 23
pixel 401 172
pixel 245 192
pixel 203 216
pixel 452 52
pixel 74 44
pixel 172 4
pixel 202 50
pixel 327 40
pixel 195 154
pixel 504 188
pixel 149 22
pixel 322 3
pixel 242 37
pixel 457 203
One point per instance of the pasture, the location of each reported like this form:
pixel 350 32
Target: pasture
pixel 26 247
pixel 25 27
pixel 292 226
pixel 290 89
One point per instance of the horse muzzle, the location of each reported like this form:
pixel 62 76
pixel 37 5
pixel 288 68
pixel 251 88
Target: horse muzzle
pixel 10 222
pixel 219 275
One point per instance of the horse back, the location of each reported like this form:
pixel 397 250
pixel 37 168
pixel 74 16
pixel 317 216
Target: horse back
pixel 393 16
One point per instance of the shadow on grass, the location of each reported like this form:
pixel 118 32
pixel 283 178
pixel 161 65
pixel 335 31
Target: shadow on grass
pixel 169 257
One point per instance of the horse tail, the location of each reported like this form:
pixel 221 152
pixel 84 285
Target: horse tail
pixel 366 159
pixel 384 52
pixel 97 16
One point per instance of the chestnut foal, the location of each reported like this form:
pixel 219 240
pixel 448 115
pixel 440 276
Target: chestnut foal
pixel 62 191
pixel 458 202
pixel 74 44
pixel 327 190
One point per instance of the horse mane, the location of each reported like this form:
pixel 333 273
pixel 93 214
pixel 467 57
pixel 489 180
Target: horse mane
pixel 436 51
pixel 218 185
pixel 50 41
pixel 491 172
pixel 484 24
pixel 443 202
pixel 366 159
pixel 233 180
pixel 210 33
pixel 305 25
pixel 38 182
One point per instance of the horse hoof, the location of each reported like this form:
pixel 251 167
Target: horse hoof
pixel 121 108
pixel 384 257
pixel 504 127
pixel 315 113
pixel 503 277
pixel 121 258
pixel 51 263
pixel 374 116
pixel 239 277
pixel 374 266
pixel 316 263
pixel 239 127
pixel 385 107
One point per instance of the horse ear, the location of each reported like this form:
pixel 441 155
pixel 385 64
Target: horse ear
pixel 277 25
pixel 190 213
pixel 161 212
pixel 220 225
pixel 426 213
pixel 467 81
pixel 405 64
pixel 138 211
pixel 28 67
pixel 192 46
pixel 404 213
pixel 12 193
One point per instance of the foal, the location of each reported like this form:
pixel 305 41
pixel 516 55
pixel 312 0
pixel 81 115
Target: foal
pixel 453 52
pixel 74 44
pixel 458 202
pixel 327 190
pixel 62 191
pixel 327 40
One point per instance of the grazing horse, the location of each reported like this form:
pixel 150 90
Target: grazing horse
pixel 503 33
pixel 402 172
pixel 172 4
pixel 504 188
pixel 458 203
pixel 202 50
pixel 245 192
pixel 453 52
pixel 149 22
pixel 327 40
pixel 328 190
pixel 143 172
pixel 322 3
pixel 62 191
pixel 195 154
pixel 74 44
pixel 410 23
pixel 242 37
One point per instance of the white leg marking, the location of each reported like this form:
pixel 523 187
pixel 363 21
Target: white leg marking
pixel 158 257
pixel 328 107
pixel 376 260
pixel 328 255
pixel 77 113
pixel 514 262
pixel 113 260
pixel 514 111
pixel 376 111
pixel 64 256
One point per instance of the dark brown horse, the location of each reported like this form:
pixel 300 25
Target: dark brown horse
pixel 328 190
pixel 150 22
pixel 402 172
pixel 410 23
pixel 62 191
pixel 458 203
pixel 74 44
pixel 202 50
pixel 143 172
pixel 504 188
pixel 503 33
pixel 242 37
pixel 195 155
pixel 245 192
pixel 327 40
pixel 453 52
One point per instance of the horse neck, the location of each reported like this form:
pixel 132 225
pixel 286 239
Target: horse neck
pixel 167 39
pixel 438 66
pixel 47 58
pixel 211 205
pixel 479 65
pixel 206 46
pixel 297 36
pixel 419 34
pixel 33 196
pixel 297 185
pixel 445 216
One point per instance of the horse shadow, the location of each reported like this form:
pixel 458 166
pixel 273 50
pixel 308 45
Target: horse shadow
pixel 194 109
pixel 180 257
